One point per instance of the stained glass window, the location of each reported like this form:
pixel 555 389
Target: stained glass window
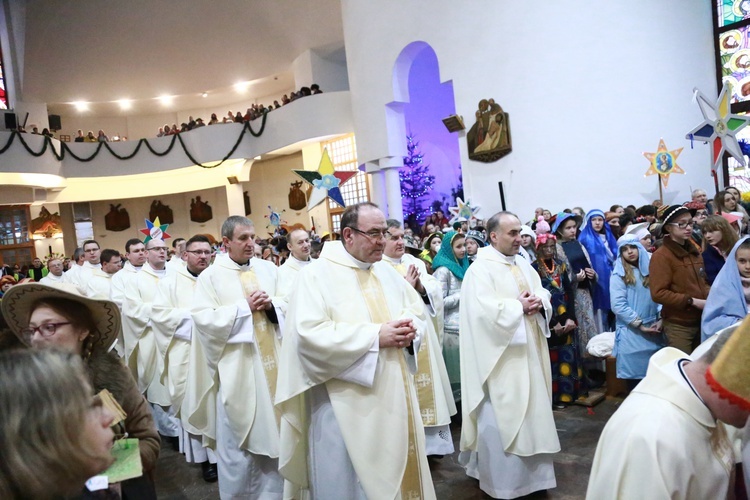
pixel 732 11
pixel 734 57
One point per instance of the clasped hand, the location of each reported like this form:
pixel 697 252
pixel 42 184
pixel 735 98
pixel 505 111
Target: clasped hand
pixel 531 303
pixel 412 277
pixel 397 333
pixel 259 301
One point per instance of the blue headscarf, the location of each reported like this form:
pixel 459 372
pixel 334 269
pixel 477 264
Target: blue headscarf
pixel 726 303
pixel 600 259
pixel 643 257
pixel 446 258
pixel 562 217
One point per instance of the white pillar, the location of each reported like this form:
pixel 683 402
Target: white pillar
pixel 377 189
pixel 393 194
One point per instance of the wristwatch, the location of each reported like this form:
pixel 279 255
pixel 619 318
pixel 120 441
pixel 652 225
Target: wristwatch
pixel 690 301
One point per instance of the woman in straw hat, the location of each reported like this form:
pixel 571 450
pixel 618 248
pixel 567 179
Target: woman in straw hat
pixel 58 317
pixel 42 455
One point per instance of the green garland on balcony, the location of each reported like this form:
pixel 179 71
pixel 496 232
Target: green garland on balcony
pixel 64 149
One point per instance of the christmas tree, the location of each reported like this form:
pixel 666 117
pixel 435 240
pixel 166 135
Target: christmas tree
pixel 416 182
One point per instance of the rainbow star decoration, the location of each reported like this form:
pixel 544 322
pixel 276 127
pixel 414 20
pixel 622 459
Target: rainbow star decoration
pixel 155 230
pixel 663 162
pixel 719 127
pixel 463 211
pixel 274 219
pixel 326 182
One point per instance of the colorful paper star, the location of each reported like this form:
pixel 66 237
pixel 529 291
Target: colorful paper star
pixel 463 211
pixel 155 230
pixel 719 126
pixel 664 162
pixel 326 181
pixel 274 219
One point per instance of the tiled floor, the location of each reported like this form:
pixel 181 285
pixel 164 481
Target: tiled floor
pixel 578 428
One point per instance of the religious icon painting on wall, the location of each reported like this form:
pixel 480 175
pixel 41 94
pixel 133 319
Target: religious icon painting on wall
pixel 489 138
pixel 163 212
pixel 117 219
pixel 200 211
pixel 297 199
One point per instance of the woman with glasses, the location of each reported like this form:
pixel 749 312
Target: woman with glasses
pixel 718 240
pixel 678 280
pixel 46 317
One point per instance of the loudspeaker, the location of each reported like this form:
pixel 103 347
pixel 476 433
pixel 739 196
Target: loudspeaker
pixel 55 123
pixel 10 121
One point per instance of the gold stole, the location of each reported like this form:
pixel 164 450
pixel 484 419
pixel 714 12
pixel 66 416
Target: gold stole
pixel 264 338
pixel 372 290
pixel 423 378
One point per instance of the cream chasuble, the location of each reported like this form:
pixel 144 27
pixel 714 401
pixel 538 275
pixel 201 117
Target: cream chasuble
pixel 433 386
pixel 331 335
pixel 662 442
pixel 123 283
pixel 99 285
pixel 173 328
pixel 239 348
pixel 80 275
pixel 141 353
pixel 504 355
pixel 287 274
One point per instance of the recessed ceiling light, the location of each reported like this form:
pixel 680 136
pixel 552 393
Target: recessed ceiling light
pixel 241 87
pixel 204 94
pixel 166 100
pixel 125 104
pixel 81 105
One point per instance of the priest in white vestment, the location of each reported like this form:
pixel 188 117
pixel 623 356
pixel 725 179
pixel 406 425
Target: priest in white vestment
pixel 178 246
pixel 668 439
pixel 172 323
pixel 80 275
pixel 508 434
pixel 350 426
pixel 436 402
pixel 298 242
pixel 123 283
pixel 141 353
pixel 55 275
pixel 237 338
pixel 99 285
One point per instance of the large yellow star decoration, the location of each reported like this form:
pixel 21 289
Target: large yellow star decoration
pixel 664 162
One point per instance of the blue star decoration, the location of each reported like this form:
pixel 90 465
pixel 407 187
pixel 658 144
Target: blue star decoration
pixel 719 126
pixel 326 182
pixel 463 211
pixel 155 230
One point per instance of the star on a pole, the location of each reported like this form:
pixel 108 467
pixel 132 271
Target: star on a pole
pixel 664 162
pixel 719 127
pixel 463 211
pixel 326 181
pixel 155 230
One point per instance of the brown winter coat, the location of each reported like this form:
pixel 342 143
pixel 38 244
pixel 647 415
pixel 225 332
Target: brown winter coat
pixel 677 273
pixel 106 371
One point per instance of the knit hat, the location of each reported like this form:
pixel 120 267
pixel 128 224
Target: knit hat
pixel 694 206
pixel 542 232
pixel 8 279
pixel 729 374
pixel 673 212
pixel 527 231
pixel 478 237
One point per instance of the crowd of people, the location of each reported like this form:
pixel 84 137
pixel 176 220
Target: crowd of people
pixel 335 366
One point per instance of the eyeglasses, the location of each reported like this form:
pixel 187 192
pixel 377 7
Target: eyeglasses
pixel 373 234
pixel 158 249
pixel 46 330
pixel 200 253
pixel 682 225
pixel 701 213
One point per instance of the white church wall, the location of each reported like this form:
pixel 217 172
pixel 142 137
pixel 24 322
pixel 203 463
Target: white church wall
pixel 588 90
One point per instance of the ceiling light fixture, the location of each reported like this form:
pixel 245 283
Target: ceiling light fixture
pixel 166 100
pixel 125 104
pixel 241 87
pixel 204 94
pixel 81 105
